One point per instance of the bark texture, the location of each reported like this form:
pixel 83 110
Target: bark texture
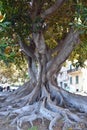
pixel 52 103
pixel 41 97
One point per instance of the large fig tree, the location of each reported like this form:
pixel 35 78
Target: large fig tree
pixel 47 31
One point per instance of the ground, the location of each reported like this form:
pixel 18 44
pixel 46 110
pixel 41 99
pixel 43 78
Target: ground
pixel 5 125
pixel 64 122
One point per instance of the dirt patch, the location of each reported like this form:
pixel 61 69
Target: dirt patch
pixel 5 125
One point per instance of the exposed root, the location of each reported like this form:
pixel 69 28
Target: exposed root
pixel 51 105
pixel 19 94
pixel 50 115
pixel 29 119
pixel 24 111
pixel 64 112
pixel 55 93
pixel 53 122
pixel 75 101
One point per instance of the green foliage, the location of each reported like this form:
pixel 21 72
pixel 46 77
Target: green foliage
pixel 38 23
pixel 18 14
pixel 33 128
pixel 10 52
pixel 6 52
pixel 80 53
pixel 4 26
pixel 80 17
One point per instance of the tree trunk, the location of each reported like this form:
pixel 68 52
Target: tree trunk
pixel 41 97
pixel 43 101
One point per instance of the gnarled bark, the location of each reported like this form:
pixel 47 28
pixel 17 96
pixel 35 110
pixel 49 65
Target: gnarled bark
pixel 53 104
pixel 41 97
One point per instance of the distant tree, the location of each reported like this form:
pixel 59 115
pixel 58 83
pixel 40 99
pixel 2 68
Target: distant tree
pixel 47 32
pixel 12 74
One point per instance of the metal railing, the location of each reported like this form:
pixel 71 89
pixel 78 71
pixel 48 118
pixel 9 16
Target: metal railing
pixel 73 70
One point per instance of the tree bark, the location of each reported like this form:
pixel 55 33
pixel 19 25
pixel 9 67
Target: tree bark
pixel 41 97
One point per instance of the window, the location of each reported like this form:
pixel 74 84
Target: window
pixel 77 79
pixel 70 67
pixel 65 85
pixel 70 80
pixel 61 84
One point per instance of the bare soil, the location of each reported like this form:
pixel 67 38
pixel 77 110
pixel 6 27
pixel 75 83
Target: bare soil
pixel 5 125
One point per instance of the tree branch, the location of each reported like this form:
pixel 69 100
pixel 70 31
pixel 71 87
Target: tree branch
pixel 26 49
pixel 53 8
pixel 36 8
pixel 58 47
pixel 71 40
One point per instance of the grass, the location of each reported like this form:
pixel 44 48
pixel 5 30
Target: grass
pixel 33 128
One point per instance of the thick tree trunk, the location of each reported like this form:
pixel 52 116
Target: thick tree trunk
pixel 43 100
pixel 41 97
pixel 52 103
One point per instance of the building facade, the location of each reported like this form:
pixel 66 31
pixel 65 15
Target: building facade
pixel 73 79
